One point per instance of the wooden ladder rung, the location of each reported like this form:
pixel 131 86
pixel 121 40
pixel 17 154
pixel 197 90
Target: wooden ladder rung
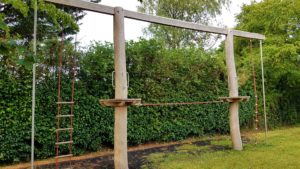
pixel 64 142
pixel 67 115
pixel 64 156
pixel 64 102
pixel 64 129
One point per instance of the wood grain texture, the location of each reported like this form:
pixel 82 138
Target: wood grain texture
pixel 233 92
pixel 121 92
pixel 155 19
pixel 89 6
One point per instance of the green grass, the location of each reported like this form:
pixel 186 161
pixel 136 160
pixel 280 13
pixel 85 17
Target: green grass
pixel 191 147
pixel 281 152
pixel 225 141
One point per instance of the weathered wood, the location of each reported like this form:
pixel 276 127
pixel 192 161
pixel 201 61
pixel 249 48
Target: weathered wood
pixel 64 142
pixel 64 156
pixel 235 99
pixel 233 92
pixel 89 6
pixel 121 91
pixel 120 102
pixel 67 115
pixel 173 22
pixel 64 129
pixel 64 102
pixel 155 19
pixel 248 35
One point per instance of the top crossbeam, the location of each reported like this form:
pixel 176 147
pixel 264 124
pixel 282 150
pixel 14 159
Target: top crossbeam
pixel 155 19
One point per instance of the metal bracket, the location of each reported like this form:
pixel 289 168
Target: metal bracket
pixel 113 79
pixel 127 79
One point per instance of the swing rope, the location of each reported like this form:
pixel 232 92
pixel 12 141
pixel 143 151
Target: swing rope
pixel 58 95
pixel 73 64
pixel 255 91
pixel 263 90
pixel 33 83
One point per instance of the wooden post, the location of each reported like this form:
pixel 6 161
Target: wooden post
pixel 233 92
pixel 121 91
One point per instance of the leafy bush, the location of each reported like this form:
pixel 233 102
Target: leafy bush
pixel 156 75
pixel 281 55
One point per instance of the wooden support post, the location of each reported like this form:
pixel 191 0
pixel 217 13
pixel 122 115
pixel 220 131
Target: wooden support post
pixel 121 91
pixel 233 92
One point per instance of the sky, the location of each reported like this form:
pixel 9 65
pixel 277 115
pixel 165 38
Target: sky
pixel 99 27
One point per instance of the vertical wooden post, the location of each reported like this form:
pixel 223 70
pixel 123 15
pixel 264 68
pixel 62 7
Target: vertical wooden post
pixel 233 92
pixel 121 91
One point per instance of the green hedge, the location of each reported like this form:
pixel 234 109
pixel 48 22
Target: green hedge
pixel 156 75
pixel 15 113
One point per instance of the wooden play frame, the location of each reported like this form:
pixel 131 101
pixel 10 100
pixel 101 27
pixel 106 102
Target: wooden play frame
pixel 121 102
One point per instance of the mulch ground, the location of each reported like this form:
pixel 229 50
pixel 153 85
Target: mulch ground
pixel 136 158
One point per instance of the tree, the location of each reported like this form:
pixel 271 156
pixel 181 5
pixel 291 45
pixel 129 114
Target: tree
pixel 279 21
pixel 17 18
pixel 17 28
pixel 16 31
pixel 197 11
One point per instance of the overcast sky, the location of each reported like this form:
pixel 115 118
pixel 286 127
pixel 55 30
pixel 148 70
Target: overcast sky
pixel 99 27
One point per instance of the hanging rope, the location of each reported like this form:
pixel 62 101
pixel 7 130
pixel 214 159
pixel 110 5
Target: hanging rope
pixel 180 103
pixel 59 95
pixel 263 87
pixel 255 91
pixel 73 65
pixel 33 84
pixel 73 71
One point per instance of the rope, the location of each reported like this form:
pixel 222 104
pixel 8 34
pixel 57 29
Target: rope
pixel 33 85
pixel 58 94
pixel 73 64
pixel 263 86
pixel 255 92
pixel 72 100
pixel 180 103
pixel 73 74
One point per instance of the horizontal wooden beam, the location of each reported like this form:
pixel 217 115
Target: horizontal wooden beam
pixel 154 19
pixel 89 6
pixel 248 35
pixel 173 22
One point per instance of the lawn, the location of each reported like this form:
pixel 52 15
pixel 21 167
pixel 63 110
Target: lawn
pixel 281 152
pixel 209 152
